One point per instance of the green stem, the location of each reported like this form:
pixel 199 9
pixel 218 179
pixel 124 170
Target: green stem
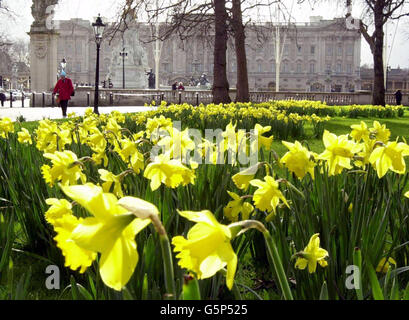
pixel 274 259
pixel 168 267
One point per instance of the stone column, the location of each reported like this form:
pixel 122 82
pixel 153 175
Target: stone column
pixel 43 59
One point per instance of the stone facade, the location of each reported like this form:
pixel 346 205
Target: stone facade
pixel 322 55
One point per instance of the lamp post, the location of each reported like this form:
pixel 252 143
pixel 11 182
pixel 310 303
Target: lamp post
pixel 123 54
pixel 98 30
pixel 388 69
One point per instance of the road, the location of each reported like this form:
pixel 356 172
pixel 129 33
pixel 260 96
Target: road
pixel 33 114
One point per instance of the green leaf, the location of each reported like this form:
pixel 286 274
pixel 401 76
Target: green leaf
pixel 191 289
pixel 376 288
pixel 324 291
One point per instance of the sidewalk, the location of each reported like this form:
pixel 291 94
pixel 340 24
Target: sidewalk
pixel 34 114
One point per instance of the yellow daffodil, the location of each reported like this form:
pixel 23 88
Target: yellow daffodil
pixel 380 132
pixel 24 136
pixel 6 127
pixel 110 231
pixel 298 160
pixel 75 256
pixel 207 248
pixel 390 157
pixel 263 141
pixel 242 179
pixel 311 255
pixel 267 196
pixel 65 168
pixel 338 152
pixel 59 208
pixel 407 194
pixel 360 132
pixel 110 179
pixel 172 173
pixel 237 206
pixel 384 265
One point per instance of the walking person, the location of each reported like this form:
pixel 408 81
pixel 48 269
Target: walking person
pixel 65 90
pixel 2 98
pixel 398 96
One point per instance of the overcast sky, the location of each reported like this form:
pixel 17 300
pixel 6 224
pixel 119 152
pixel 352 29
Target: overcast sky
pixel 88 9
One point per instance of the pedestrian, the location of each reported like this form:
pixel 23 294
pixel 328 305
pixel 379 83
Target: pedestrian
pixel 181 87
pixel 398 96
pixel 2 98
pixel 174 88
pixel 65 90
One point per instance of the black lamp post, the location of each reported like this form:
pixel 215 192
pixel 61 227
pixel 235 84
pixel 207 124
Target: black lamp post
pixel 98 30
pixel 123 54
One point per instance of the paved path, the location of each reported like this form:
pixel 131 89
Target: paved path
pixel 33 114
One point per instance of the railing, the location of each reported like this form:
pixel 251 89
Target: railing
pixel 121 97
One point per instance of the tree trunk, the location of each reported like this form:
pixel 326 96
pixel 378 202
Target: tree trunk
pixel 378 94
pixel 239 42
pixel 220 83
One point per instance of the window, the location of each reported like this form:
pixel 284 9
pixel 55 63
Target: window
pixel 78 67
pixel 329 68
pixel 349 68
pixel 299 70
pixel 312 67
pixel 329 50
pixel 312 50
pixel 260 67
pixel 165 67
pixel 340 50
pixel 286 49
pixel 78 48
pixel 299 50
pixel 285 68
pixel 350 50
pixel 339 68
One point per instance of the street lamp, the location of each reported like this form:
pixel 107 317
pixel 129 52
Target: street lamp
pixel 388 69
pixel 123 54
pixel 98 30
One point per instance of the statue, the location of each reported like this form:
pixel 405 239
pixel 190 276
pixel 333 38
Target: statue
pixel 40 11
pixel 151 79
pixel 203 80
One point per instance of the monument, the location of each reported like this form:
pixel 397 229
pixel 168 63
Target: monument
pixel 43 46
pixel 136 62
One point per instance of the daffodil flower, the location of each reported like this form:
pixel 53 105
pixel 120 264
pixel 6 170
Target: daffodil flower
pixel 389 157
pixel 360 132
pixel 110 231
pixel 172 173
pixel 242 179
pixel 298 160
pixel 380 132
pixel 237 206
pixel 6 126
pixel 267 196
pixel 338 152
pixel 312 255
pixel 207 248
pixel 59 208
pixel 384 265
pixel 64 169
pixel 24 136
pixel 110 179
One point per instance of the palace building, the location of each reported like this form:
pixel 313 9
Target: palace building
pixel 320 55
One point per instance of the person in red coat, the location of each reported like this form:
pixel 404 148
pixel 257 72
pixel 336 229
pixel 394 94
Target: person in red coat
pixel 65 89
